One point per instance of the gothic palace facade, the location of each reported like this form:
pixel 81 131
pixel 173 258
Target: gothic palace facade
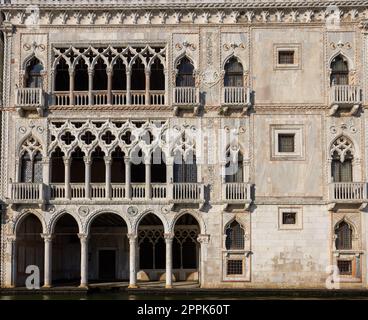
pixel 222 142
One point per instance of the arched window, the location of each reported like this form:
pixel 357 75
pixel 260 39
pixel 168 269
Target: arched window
pixel 119 75
pixel 31 168
pixel 138 75
pixel 62 76
pixel 81 76
pixel 344 235
pixel 157 78
pixel 234 167
pixel 233 73
pixel 339 71
pixel 185 168
pixel 100 75
pixel 234 236
pixel 342 160
pixel 57 166
pixel 98 166
pixel 185 77
pixel 34 74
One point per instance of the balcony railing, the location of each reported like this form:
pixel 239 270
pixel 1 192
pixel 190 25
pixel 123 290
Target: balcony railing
pixel 185 96
pixel 117 98
pixel 235 96
pixel 25 192
pixel 236 192
pixel 29 99
pixel 345 95
pixel 188 192
pixel 348 192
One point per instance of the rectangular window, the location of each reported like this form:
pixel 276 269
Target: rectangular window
pixel 345 267
pixel 286 57
pixel 289 218
pixel 286 142
pixel 234 267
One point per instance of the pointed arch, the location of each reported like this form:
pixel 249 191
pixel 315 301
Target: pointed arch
pixel 198 217
pixel 99 212
pixel 185 75
pixel 30 57
pixel 31 145
pixel 344 233
pixel 342 54
pixel 27 213
pixel 145 213
pixel 56 217
pixel 235 235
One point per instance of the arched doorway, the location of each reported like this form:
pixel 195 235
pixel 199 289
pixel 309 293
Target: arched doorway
pixel 66 251
pixel 151 249
pixel 186 248
pixel 108 256
pixel 29 248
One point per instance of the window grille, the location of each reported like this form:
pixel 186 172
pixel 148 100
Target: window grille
pixel 233 73
pixel 343 236
pixel 234 237
pixel 234 267
pixel 286 142
pixel 286 57
pixel 289 218
pixel 185 76
pixel 339 71
pixel 345 267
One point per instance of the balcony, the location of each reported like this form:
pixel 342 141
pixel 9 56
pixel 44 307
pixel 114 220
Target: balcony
pixel 238 193
pixel 103 98
pixel 27 193
pixel 235 98
pixel 29 99
pixel 174 192
pixel 186 98
pixel 345 97
pixel 348 193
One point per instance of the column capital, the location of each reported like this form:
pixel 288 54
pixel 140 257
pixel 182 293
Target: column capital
pixel 83 237
pixel 127 160
pixel 169 236
pixel 71 72
pixel 46 160
pixel 132 237
pixel 108 159
pixel 203 238
pixel 47 237
pixel 87 160
pixel 66 160
pixel 7 28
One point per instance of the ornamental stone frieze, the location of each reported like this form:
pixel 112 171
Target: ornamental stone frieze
pixel 115 12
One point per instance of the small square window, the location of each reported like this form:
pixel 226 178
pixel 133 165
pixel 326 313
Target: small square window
pixel 234 267
pixel 289 218
pixel 286 57
pixel 286 142
pixel 345 267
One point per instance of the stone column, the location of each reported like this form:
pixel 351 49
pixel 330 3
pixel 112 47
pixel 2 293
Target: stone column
pixel 127 178
pixel 203 239
pixel 169 237
pixel 48 260
pixel 84 260
pixel 128 81
pixel 147 97
pixel 246 175
pixel 67 162
pixel 132 260
pixel 87 163
pixel 90 87
pixel 109 85
pixel 148 178
pixel 166 72
pixel 46 177
pixel 11 262
pixel 18 175
pixel 71 86
pixel 169 178
pixel 108 176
